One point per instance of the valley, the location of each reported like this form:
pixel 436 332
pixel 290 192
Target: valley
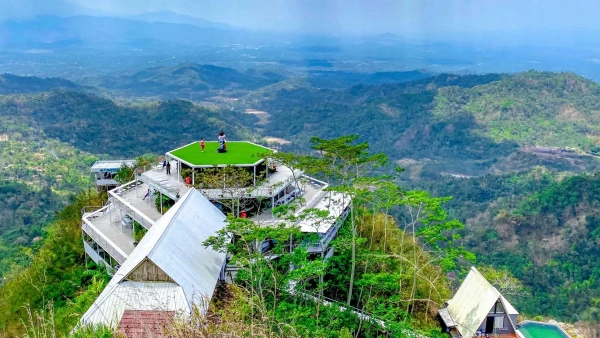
pixel 517 152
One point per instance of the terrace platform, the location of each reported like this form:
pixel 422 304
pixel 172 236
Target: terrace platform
pixel 174 185
pixel 106 228
pixel 130 199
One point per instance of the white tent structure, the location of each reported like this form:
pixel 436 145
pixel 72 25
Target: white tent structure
pixel 170 269
pixel 478 308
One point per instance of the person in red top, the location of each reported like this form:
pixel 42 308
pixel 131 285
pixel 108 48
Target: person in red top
pixel 202 144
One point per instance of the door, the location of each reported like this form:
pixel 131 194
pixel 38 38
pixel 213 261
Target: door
pixel 489 325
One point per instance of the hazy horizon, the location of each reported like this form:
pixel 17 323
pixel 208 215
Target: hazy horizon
pixel 415 19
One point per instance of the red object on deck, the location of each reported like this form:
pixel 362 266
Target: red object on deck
pixel 188 180
pixel 243 214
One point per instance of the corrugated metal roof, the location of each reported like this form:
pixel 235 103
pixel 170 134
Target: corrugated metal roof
pixel 110 166
pixel 473 301
pixel 116 298
pixel 174 244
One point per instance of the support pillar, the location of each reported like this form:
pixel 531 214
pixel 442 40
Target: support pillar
pixel 161 199
pixel 254 167
pixel 193 178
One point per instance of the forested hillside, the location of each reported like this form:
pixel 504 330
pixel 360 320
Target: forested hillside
pixel 13 84
pixel 468 125
pixel 186 80
pixel 39 176
pixel 541 228
pixel 101 126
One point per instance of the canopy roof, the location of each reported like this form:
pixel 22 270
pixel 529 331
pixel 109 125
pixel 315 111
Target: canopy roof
pixel 110 166
pixel 239 153
pixel 473 301
pixel 173 247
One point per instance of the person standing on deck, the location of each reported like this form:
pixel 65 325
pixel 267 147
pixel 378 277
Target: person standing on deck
pixel 223 140
pixel 168 168
pixel 202 144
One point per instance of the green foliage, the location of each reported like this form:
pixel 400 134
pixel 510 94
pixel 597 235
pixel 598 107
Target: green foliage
pixel 167 203
pixel 539 234
pixel 14 84
pixel 127 173
pixel 38 177
pixel 93 332
pixel 377 269
pixel 57 275
pixel 139 231
pixel 470 125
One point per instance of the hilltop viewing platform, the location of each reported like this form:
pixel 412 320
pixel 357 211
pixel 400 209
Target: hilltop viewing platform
pixel 239 154
pixel 244 181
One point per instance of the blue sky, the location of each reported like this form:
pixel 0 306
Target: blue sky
pixel 350 17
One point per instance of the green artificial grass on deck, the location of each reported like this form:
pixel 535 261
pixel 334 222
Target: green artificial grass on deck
pixel 238 153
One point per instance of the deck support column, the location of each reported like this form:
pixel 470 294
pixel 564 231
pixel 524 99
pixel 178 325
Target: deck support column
pixel 254 167
pixel 193 177
pixel 161 208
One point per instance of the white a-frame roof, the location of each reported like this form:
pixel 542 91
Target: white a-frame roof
pixel 172 249
pixel 473 301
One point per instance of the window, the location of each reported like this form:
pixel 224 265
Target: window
pixel 497 308
pixel 499 322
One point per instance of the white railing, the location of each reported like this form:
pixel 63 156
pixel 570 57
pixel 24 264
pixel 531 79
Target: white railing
pixel 111 248
pixel 323 243
pixel 129 209
pixel 170 190
pixel 88 209
pixel 132 212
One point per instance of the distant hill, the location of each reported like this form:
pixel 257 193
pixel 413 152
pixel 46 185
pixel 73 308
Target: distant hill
pixel 186 80
pixel 108 33
pixel 172 17
pixel 469 125
pixel 31 8
pixel 14 84
pixel 341 79
pixel 101 126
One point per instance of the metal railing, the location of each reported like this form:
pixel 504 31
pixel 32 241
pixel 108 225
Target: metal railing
pixel 323 243
pixel 90 209
pixel 169 191
pixel 97 236
pixel 131 211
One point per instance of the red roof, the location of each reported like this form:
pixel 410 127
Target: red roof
pixel 145 324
